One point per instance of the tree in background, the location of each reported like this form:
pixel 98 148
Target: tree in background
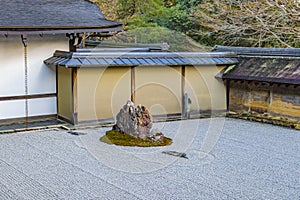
pixel 179 17
pixel 176 41
pixel 264 23
pixel 108 7
pixel 259 23
pixel 140 13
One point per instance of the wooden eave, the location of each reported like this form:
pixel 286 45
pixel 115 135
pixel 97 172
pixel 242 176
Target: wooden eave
pixel 57 30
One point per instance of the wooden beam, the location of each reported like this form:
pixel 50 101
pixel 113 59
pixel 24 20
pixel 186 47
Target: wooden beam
pixel 23 97
pixel 133 84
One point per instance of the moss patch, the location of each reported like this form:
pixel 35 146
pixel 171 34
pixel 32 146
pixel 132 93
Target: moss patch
pixel 114 137
pixel 280 121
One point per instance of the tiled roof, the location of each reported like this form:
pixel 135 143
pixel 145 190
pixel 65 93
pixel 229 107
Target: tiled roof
pixel 47 15
pixel 106 59
pixel 273 65
pixel 273 70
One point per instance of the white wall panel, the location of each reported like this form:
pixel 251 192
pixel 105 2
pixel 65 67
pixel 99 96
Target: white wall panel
pixel 36 107
pixel 12 109
pixel 43 106
pixel 11 66
pixel 41 78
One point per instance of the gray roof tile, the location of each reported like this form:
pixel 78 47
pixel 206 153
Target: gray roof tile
pixel 105 59
pixel 51 14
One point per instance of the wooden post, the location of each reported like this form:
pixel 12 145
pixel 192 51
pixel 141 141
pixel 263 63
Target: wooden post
pixel 56 90
pixel 133 84
pixel 24 41
pixel 182 90
pixel 74 96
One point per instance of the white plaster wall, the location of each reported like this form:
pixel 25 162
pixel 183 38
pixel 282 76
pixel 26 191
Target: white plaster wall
pixel 41 79
pixel 36 107
pixel 12 109
pixel 42 106
pixel 11 66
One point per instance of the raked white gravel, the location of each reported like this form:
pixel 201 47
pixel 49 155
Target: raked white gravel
pixel 227 159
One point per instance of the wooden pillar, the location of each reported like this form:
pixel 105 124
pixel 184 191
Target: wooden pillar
pixel 24 41
pixel 133 84
pixel 182 90
pixel 74 96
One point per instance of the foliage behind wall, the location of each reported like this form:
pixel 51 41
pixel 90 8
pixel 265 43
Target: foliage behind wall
pixel 265 23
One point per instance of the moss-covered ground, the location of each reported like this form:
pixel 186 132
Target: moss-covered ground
pixel 114 137
pixel 280 121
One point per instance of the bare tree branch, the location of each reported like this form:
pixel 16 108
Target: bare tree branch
pixel 253 23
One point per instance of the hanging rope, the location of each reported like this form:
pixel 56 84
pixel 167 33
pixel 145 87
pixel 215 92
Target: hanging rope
pixel 24 41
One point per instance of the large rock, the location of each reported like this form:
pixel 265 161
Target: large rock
pixel 134 120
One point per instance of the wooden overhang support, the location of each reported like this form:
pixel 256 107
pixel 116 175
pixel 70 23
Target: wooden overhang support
pixel 74 40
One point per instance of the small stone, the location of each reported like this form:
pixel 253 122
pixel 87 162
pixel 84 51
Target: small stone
pixel 76 133
pixel 156 135
pixel 175 153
